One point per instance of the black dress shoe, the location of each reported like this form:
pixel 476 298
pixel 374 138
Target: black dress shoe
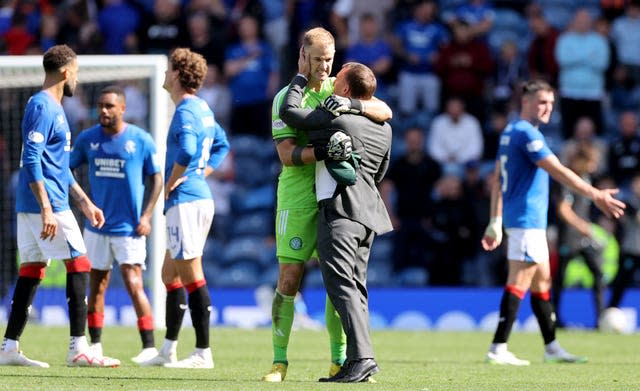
pixel 355 371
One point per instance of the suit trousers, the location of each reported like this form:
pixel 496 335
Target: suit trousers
pixel 343 248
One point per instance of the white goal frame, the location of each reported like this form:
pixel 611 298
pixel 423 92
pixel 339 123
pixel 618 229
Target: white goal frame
pixel 97 68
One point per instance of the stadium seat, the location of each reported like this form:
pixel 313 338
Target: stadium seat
pixel 252 248
pixel 498 37
pixel 213 251
pixel 313 278
pixel 259 223
pixel 244 200
pixel 242 274
pixel 558 16
pixel 379 274
pixel 382 251
pixel 412 277
pixel 508 19
pixel 251 172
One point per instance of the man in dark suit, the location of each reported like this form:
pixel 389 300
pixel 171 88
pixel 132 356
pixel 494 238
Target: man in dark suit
pixel 349 216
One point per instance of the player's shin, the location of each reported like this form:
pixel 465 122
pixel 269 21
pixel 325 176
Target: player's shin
pixel 77 280
pixel 200 308
pixel 509 306
pixel 545 314
pixel 337 337
pixel 282 310
pixel 30 275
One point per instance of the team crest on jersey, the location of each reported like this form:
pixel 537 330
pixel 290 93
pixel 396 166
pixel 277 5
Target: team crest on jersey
pixel 295 243
pixel 278 124
pixel 94 146
pixel 130 146
pixel 60 118
pixel 35 137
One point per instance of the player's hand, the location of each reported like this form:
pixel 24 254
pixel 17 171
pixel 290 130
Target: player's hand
pixel 337 105
pixel 49 224
pixel 171 187
pixel 493 234
pixel 339 147
pixel 93 214
pixel 144 226
pixel 304 66
pixel 607 204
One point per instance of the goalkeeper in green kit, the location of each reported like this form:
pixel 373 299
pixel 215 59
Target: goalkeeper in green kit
pixel 297 209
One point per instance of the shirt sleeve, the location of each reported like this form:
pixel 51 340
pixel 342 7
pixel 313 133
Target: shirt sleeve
pixel 534 145
pixel 187 138
pixel 219 148
pixel 35 132
pixel 151 165
pixel 78 154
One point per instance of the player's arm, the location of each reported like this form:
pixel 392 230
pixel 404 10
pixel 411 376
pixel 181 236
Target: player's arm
pixel 603 199
pixel 291 154
pixel 295 116
pixel 89 209
pixel 493 233
pixel 31 161
pixel 187 148
pixel 144 226
pixel 219 150
pixel 567 214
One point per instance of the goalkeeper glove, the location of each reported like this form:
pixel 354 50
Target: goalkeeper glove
pixel 339 147
pixel 337 105
pixel 494 229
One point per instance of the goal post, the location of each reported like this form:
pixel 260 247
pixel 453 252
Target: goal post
pixel 22 76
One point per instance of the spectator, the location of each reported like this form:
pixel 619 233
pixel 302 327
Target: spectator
pixel 541 58
pixel 252 73
pixel 464 65
pixel 201 39
pixel 455 137
pixel 624 150
pixel 507 76
pixel 629 261
pixel 17 38
pixel 48 31
pixel 212 46
pixel 416 43
pixel 497 122
pixel 603 27
pixel 411 179
pixel 373 51
pixel 584 136
pixel 453 234
pixel 577 233
pixel 79 31
pixel 118 22
pixel 217 95
pixel 624 93
pixel 164 29
pixel 583 57
pixel 625 32
pixel 478 14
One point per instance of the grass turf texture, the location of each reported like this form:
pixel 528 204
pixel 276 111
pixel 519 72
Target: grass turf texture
pixel 409 361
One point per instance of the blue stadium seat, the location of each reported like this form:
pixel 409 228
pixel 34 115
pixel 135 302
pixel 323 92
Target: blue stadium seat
pixel 213 251
pixel 251 172
pixel 259 223
pixel 498 37
pixel 242 274
pixel 246 200
pixel 252 248
pixel 508 19
pixel 382 251
pixel 379 274
pixel 313 278
pixel 558 16
pixel 412 277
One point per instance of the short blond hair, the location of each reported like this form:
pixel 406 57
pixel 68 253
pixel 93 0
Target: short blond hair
pixel 317 35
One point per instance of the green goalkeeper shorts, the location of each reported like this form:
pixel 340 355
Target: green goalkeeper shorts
pixel 296 234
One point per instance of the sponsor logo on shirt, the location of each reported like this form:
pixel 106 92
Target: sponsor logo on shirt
pixel 94 146
pixel 112 168
pixel 278 124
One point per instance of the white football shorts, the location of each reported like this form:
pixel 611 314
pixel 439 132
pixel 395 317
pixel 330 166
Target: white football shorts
pixel 527 245
pixel 187 228
pixel 66 244
pixel 104 249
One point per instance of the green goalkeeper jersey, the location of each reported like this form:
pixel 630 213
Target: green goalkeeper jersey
pixel 296 183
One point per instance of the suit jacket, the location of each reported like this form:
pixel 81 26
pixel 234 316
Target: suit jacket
pixel 371 141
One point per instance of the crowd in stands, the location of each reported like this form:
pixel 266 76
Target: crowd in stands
pixel 450 69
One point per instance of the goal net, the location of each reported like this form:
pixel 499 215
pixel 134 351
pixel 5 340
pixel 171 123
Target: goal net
pixel 148 106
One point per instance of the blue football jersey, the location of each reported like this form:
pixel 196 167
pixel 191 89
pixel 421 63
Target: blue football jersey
pixel 46 142
pixel 117 166
pixel 525 186
pixel 189 143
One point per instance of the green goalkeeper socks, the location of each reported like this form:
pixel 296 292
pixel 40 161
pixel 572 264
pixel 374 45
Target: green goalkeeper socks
pixel 337 337
pixel 281 322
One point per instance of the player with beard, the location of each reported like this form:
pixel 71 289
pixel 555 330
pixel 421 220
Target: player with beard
pixel 119 156
pixel 46 227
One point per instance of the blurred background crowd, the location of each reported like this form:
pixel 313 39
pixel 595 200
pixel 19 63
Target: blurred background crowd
pixel 450 69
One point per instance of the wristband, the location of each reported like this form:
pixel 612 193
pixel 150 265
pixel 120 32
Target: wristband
pixel 296 156
pixel 320 152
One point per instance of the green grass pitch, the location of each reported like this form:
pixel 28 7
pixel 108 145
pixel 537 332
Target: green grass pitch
pixel 409 361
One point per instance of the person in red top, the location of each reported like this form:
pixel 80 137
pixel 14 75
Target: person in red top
pixel 463 65
pixel 541 59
